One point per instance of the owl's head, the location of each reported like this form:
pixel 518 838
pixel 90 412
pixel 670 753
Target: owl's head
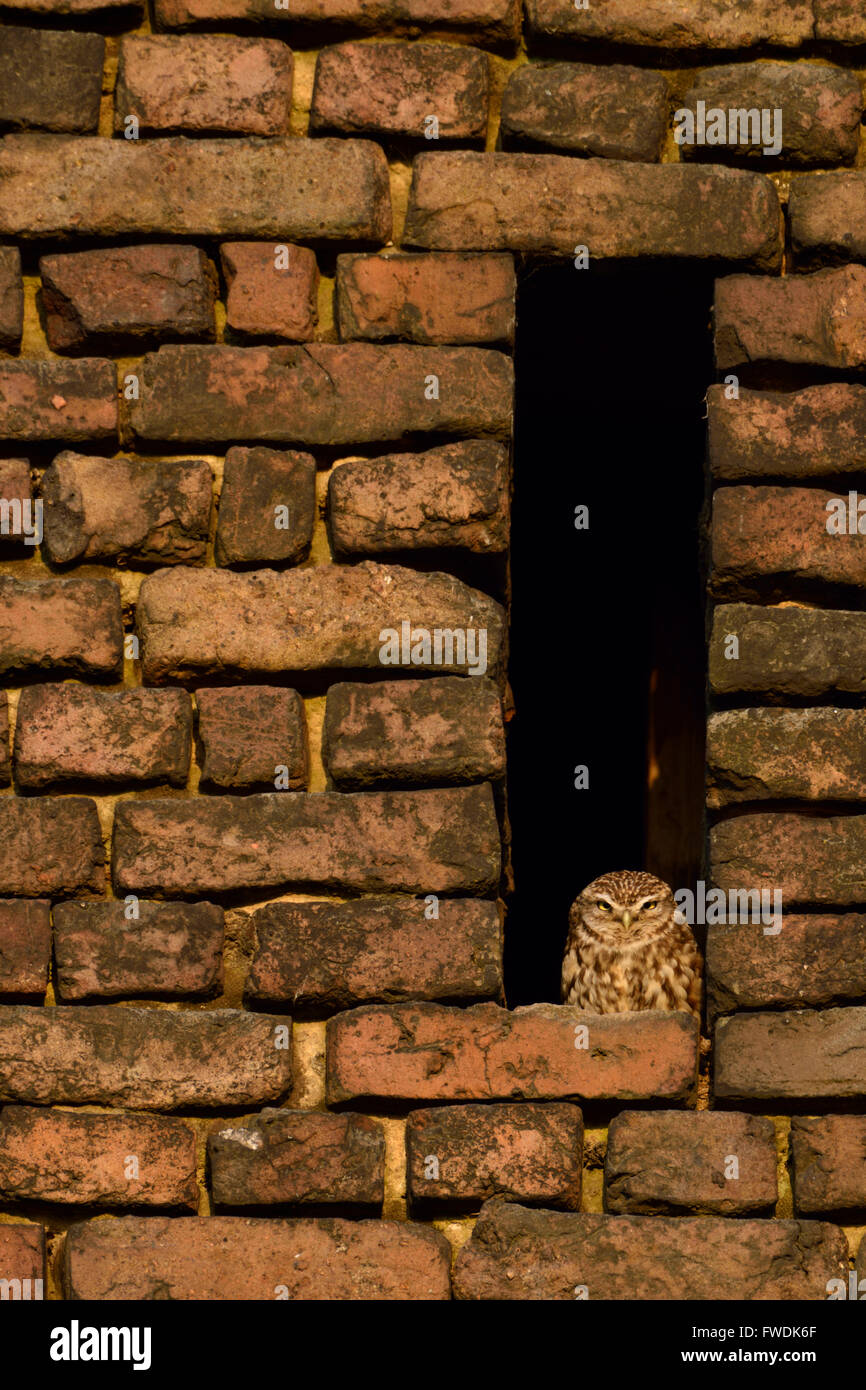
pixel 624 909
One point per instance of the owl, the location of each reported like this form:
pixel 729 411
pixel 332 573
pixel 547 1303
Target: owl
pixel 628 948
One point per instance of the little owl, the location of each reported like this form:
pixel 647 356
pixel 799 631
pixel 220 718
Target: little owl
pixel 628 948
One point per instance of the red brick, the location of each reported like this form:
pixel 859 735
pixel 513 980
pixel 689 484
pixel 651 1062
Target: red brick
pixel 333 190
pixel 813 961
pixel 11 298
pixel 441 841
pixel 298 1158
pixel 551 203
pixel 809 859
pixel 22 1261
pixel 121 295
pixel 25 946
pixel 148 511
pixel 786 754
pixel 674 1162
pixel 169 1059
pixel 324 393
pixel 782 434
pixel 50 847
pixel 167 949
pixel 413 732
pixel 521 1254
pixel 324 618
pixel 699 24
pixel 802 1056
pixel 774 542
pixel 70 625
pixel 788 651
pixel 50 80
pixel 524 1153
pixel 204 83
pixel 828 1163
pixel 247 734
pixel 427 299
pixel 319 957
pixel 394 88
pixel 66 401
pixel 73 8
pixel 492 20
pixel 16 525
pixel 612 112
pixel 814 320
pixel 839 21
pixel 455 497
pixel 240 1258
pixel 424 1052
pixel 67 733
pixel 827 218
pixel 272 289
pixel 79 1159
pixel 258 484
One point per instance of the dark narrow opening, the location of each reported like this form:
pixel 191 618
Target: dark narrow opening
pixel 607 624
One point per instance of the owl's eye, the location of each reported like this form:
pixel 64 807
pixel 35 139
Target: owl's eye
pixel 652 903
pixel 602 905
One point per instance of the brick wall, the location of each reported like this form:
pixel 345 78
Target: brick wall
pixel 257 289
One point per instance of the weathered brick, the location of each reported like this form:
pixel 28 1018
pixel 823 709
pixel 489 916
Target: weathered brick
pixel 120 295
pixel 50 847
pixel 11 297
pixel 247 733
pixel 233 1257
pixel 324 393
pixel 22 1260
pixel 328 617
pixel 816 320
pixel 674 1162
pixel 441 841
pixel 786 754
pixel 773 542
pixel 267 508
pixel 828 1163
pixel 524 1153
pixel 25 946
pixel 298 1157
pixel 839 21
pixel 66 401
pixel 809 859
pixel 612 112
pixel 828 217
pixel 171 1059
pixel 780 434
pixel 802 1056
pixel 50 80
pixel 18 517
pixel 813 961
pixel 68 732
pixel 5 760
pixel 788 651
pixel 272 289
pixel 495 21
pixel 75 8
pixel 698 24
pixel 413 732
pixel 166 949
pixel 551 203
pixel 207 82
pixel 70 625
pixel 394 89
pixel 67 185
pixel 81 1159
pixel 517 1253
pixel 321 957
pixel 455 497
pixel 438 298
pixel 150 511
pixel 425 1052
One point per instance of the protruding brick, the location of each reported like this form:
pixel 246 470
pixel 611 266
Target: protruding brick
pixel 814 320
pixel 320 957
pixel 272 289
pixel 50 80
pixel 171 1059
pixel 325 618
pixel 701 1163
pixel 19 529
pixel 395 88
pixel 443 841
pixel 22 1261
pixel 25 946
pixel 50 847
pixel 447 298
pixel 787 651
pixel 70 625
pixel 494 21
pixel 204 83
pixel 809 859
pixel 781 434
pixel 524 1153
pixel 81 1159
pixel 299 1158
pixel 424 1052
pixel 517 1253
pixel 252 738
pixel 776 542
pixel 802 1056
pixel 66 401
pixel 232 1257
pixel 828 1163
pixel 828 217
pixel 700 24
pixel 267 508
pixel 786 755
pixel 413 732
pixel 11 298
pixel 149 511
pixel 164 949
pixel 120 295
pixel 613 112
pixel 813 961
pixel 455 497
pixel 68 733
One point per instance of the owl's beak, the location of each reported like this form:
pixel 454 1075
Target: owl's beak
pixel 626 919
